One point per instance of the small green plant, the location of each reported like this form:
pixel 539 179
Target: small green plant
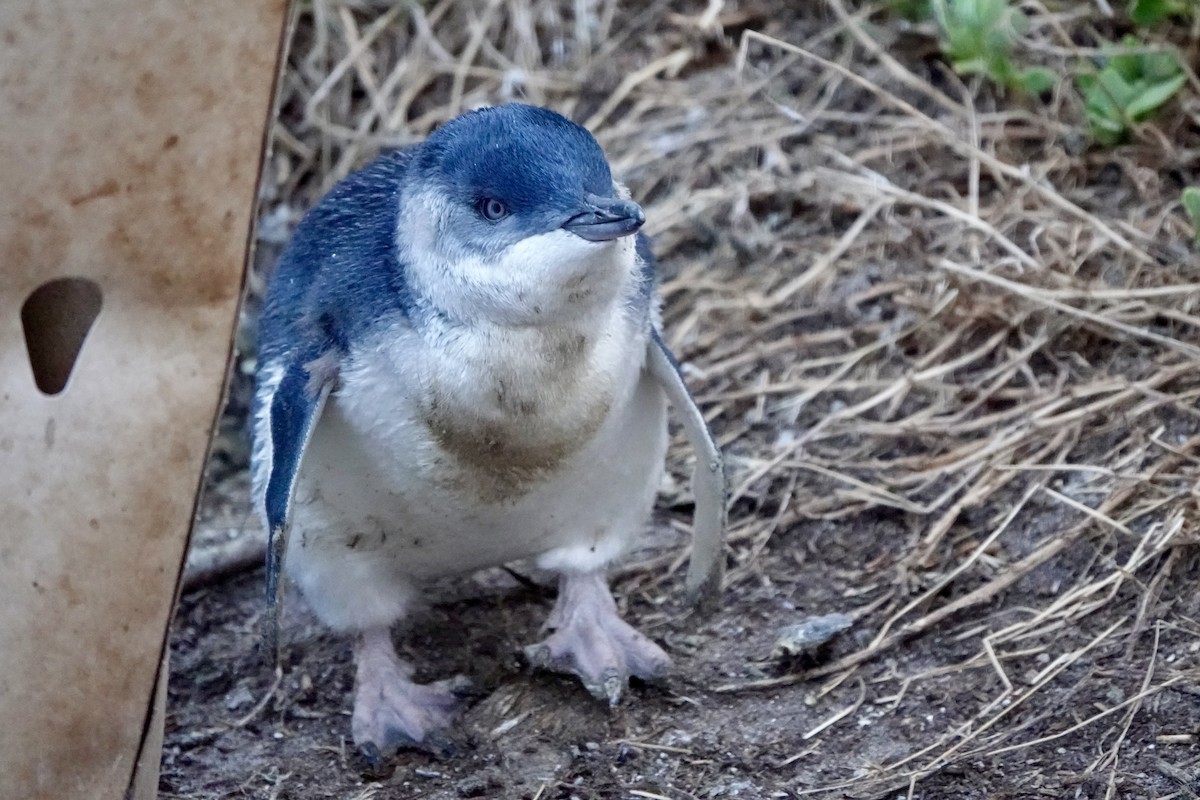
pixel 1127 89
pixel 979 36
pixel 1152 12
pixel 911 10
pixel 1191 206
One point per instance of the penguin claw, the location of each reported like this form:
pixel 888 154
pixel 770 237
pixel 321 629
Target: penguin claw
pixel 612 689
pixel 590 640
pixel 370 755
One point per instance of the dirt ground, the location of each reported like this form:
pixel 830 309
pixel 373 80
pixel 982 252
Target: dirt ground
pixel 948 345
pixel 711 732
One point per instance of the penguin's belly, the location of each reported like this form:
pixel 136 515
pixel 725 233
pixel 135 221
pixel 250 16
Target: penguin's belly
pixel 429 497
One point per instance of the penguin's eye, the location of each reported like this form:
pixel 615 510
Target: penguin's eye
pixel 491 209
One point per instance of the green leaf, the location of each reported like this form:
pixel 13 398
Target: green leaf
pixel 1191 205
pixel 1151 96
pixel 1105 118
pixel 1037 80
pixel 1127 65
pixel 1157 66
pixel 1096 97
pixel 1149 12
pixel 971 66
pixel 1152 12
pixel 1115 88
pixel 912 10
pixel 1017 23
pixel 1110 134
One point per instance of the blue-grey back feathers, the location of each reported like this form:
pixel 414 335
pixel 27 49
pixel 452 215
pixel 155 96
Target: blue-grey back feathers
pixel 341 271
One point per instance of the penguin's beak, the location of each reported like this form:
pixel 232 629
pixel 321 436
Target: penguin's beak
pixel 605 219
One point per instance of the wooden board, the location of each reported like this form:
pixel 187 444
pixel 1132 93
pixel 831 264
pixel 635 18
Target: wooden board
pixel 132 136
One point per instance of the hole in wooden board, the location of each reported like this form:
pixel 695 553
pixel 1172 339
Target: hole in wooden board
pixel 56 318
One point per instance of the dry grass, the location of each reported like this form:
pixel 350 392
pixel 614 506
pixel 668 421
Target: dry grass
pixel 897 294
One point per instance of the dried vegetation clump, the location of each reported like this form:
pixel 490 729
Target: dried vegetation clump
pixel 905 299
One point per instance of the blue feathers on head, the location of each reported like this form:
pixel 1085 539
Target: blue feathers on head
pixel 530 157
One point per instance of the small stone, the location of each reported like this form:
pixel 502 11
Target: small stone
pixel 473 786
pixel 239 697
pixel 806 636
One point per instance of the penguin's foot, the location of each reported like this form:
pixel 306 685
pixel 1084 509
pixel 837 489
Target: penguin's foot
pixel 588 639
pixel 392 712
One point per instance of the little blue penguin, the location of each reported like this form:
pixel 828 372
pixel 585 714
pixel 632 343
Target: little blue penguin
pixel 460 366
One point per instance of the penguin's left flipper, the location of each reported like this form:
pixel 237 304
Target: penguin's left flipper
pixel 295 408
pixel 709 485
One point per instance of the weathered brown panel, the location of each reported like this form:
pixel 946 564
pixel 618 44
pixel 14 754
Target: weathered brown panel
pixel 131 135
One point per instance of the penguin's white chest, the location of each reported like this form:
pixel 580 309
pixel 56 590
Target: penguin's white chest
pixel 510 411
pixel 494 447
